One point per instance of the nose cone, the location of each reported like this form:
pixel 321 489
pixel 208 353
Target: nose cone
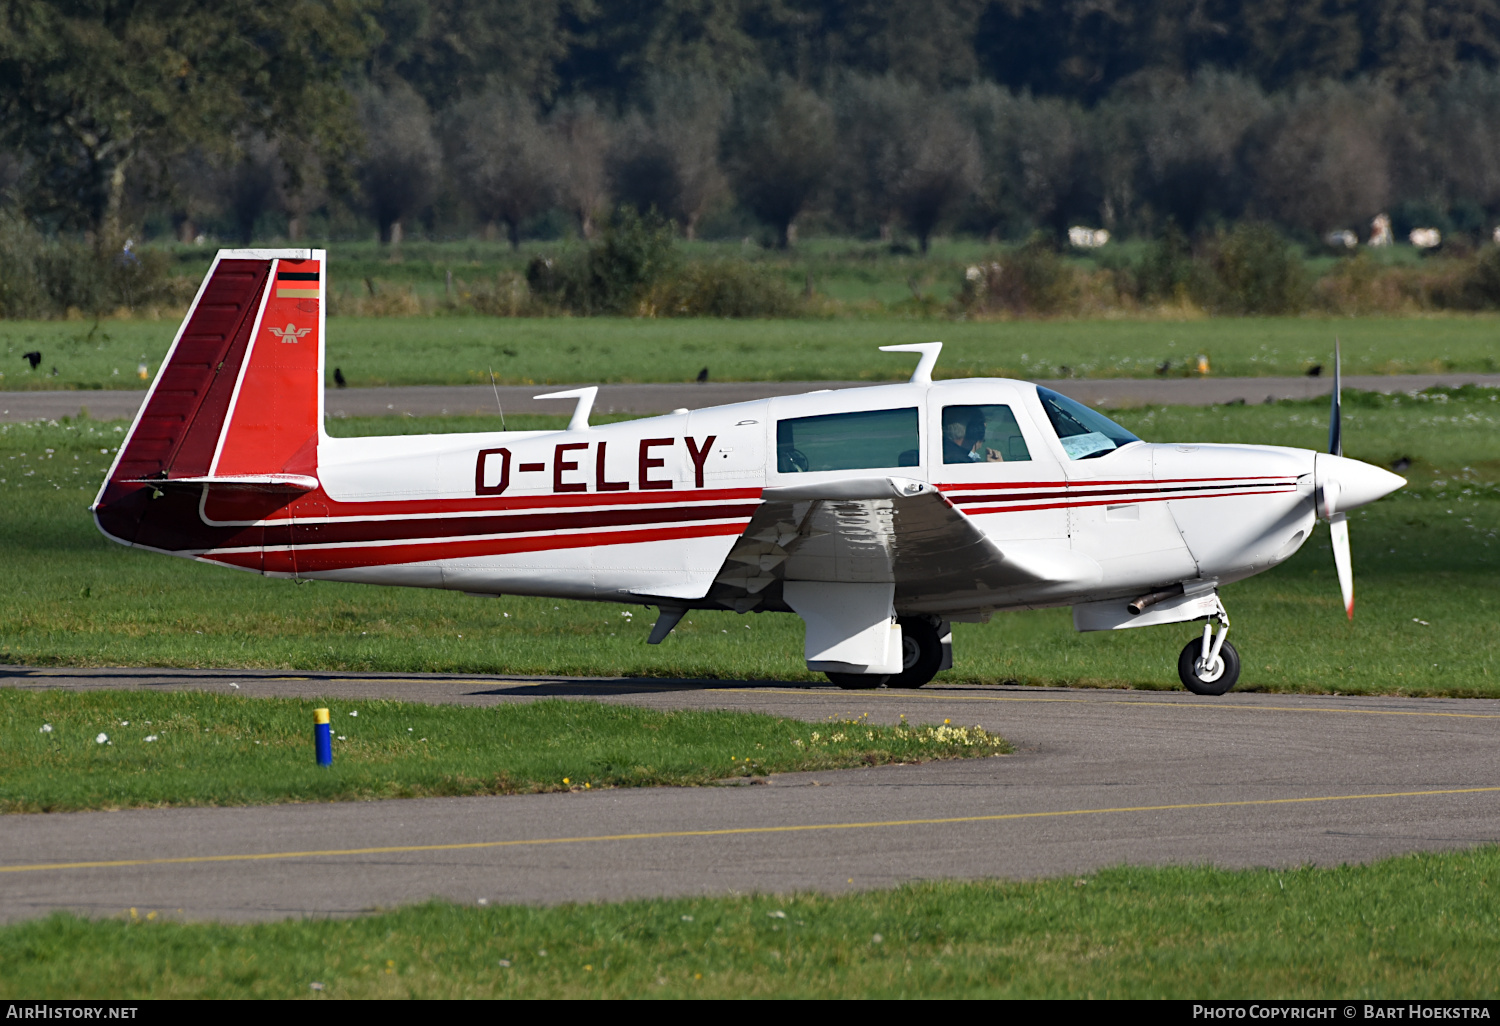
pixel 1354 483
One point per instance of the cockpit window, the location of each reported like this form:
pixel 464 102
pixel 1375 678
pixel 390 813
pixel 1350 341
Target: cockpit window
pixel 866 440
pixel 1084 433
pixel 982 434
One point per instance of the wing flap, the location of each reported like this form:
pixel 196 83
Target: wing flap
pixel 894 530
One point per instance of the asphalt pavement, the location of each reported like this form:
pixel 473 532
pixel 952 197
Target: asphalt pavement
pixel 1099 778
pixel 430 400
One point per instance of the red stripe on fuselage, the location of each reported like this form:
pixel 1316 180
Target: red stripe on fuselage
pixel 990 485
pixel 327 541
pixel 489 504
pixel 1111 489
pixel 333 532
pixel 1265 490
pixel 311 557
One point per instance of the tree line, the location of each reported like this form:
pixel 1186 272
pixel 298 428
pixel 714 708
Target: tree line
pixel 995 117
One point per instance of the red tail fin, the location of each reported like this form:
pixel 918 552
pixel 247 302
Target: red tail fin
pixel 239 397
pixel 274 420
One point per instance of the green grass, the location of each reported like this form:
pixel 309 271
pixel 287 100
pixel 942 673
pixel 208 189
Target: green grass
pixel 1431 552
pixel 1414 927
pixel 864 273
pixel 868 277
pixel 195 749
pixel 464 350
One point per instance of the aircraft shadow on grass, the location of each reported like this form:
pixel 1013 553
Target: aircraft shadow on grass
pixel 635 686
pixel 529 687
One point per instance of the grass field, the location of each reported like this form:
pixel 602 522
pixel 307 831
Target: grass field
pixel 867 275
pixel 464 350
pixel 1420 926
pixel 162 749
pixel 1426 561
pixel 862 273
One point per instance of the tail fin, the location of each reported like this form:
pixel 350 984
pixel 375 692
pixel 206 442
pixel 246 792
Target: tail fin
pixel 239 398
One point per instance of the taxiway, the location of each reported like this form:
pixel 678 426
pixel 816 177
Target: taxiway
pixel 1098 778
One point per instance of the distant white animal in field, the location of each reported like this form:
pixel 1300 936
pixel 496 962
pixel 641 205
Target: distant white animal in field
pixel 1087 238
pixel 1380 231
pixel 1425 238
pixel 1343 237
pixel 1496 236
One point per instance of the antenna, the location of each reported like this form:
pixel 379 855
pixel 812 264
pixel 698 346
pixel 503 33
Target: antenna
pixel 497 394
pixel 585 397
pixel 929 350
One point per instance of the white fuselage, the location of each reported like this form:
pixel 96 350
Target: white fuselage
pixel 650 509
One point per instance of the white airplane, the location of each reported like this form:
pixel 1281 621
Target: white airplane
pixel 879 515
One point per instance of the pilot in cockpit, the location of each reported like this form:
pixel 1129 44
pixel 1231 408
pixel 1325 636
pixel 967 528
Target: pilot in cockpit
pixel 963 431
pixel 981 434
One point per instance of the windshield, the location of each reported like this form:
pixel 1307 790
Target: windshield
pixel 1083 432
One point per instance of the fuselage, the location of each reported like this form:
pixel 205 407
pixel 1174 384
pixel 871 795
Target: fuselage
pixel 650 510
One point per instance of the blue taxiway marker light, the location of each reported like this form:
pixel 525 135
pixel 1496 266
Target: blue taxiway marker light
pixel 322 737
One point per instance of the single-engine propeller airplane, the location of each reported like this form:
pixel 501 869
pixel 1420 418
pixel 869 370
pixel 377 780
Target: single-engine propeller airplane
pixel 879 515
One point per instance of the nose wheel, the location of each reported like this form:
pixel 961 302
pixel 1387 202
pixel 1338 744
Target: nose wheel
pixel 1210 666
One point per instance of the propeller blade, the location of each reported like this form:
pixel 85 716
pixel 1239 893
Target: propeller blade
pixel 1336 413
pixel 1329 496
pixel 1338 531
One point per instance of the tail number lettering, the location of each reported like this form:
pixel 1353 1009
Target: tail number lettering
pixel 482 472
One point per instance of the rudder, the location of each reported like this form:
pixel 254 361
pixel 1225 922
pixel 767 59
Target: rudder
pixel 274 425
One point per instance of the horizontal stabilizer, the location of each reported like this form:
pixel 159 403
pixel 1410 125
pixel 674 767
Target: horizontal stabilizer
pixel 291 482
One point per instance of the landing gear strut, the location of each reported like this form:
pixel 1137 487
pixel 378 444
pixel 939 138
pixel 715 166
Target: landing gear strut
pixel 1210 666
pixel 921 655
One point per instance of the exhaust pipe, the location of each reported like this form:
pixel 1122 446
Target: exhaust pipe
pixel 1145 602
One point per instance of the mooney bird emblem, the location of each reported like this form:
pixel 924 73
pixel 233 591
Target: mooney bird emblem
pixel 291 333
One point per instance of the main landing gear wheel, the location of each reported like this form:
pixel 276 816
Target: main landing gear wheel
pixel 921 655
pixel 1212 676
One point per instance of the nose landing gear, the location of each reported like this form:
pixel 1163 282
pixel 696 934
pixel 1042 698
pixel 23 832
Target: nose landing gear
pixel 1210 666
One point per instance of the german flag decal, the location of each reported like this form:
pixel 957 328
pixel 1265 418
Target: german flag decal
pixel 290 284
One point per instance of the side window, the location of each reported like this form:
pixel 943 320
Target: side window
pixel 982 434
pixel 865 440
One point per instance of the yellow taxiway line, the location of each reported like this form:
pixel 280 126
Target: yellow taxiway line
pixel 728 832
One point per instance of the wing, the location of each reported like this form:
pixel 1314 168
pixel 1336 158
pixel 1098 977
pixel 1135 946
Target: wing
pixel 889 529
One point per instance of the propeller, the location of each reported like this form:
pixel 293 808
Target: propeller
pixel 1338 523
pixel 1344 484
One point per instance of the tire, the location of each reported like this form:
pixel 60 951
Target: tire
pixel 921 654
pixel 857 681
pixel 1227 677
